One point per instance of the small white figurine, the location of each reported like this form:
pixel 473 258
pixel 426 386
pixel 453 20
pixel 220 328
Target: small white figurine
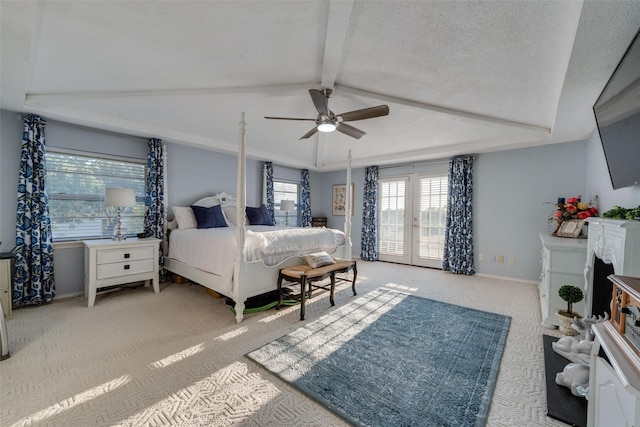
pixel 574 375
pixel 584 325
pixel 578 351
pixel 574 350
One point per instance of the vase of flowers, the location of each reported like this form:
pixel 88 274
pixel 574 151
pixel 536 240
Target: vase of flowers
pixel 572 208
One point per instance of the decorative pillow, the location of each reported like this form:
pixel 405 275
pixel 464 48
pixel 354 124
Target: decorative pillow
pixel 185 217
pixel 209 217
pixel 230 215
pixel 318 259
pixel 259 216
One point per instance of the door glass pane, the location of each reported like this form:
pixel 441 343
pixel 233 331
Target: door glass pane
pixel 392 205
pixel 433 216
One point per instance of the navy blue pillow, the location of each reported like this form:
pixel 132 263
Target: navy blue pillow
pixel 259 216
pixel 209 217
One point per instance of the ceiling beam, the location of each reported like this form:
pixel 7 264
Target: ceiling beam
pixel 529 128
pixel 337 27
pixel 270 91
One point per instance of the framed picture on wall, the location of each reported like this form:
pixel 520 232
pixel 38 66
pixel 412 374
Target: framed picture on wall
pixel 339 199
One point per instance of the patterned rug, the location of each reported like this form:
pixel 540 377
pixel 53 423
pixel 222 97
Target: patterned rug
pixel 390 358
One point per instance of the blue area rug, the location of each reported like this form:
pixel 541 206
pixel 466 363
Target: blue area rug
pixel 393 359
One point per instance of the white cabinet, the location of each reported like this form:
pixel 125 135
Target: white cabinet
pixel 109 263
pixel 563 263
pixel 614 396
pixel 5 287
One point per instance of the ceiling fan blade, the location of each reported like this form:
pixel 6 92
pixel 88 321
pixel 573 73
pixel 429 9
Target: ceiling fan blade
pixel 320 101
pixel 286 118
pixel 310 133
pixel 350 130
pixel 365 113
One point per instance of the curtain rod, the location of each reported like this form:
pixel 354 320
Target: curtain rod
pixel 426 162
pixel 72 125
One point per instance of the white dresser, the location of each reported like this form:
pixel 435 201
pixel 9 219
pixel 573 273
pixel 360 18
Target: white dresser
pixel 563 263
pixel 5 287
pixel 109 263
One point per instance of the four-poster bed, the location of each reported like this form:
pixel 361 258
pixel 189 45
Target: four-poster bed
pixel 252 274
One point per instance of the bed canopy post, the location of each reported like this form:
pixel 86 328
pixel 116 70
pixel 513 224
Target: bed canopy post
pixel 241 191
pixel 347 212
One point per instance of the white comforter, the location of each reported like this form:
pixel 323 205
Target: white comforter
pixel 213 249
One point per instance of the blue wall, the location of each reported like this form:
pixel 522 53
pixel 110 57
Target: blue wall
pixel 511 191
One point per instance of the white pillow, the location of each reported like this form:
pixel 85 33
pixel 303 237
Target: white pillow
pixel 230 213
pixel 318 259
pixel 185 217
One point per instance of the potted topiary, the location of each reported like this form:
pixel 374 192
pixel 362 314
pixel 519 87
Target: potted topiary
pixel 570 294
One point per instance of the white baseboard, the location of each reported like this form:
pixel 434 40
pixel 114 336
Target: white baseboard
pixel 511 279
pixel 68 296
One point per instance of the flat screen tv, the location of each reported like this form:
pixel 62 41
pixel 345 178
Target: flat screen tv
pixel 617 113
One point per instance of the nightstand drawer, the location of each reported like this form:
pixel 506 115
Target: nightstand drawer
pixel 106 256
pixel 119 269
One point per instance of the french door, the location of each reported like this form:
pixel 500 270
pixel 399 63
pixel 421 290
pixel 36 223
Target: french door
pixel 412 219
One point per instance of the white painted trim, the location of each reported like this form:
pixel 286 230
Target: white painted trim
pixel 68 244
pixel 510 279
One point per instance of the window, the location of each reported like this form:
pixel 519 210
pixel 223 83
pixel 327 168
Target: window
pixel 283 190
pixel 76 186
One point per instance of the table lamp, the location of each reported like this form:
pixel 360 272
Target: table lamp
pixel 120 198
pixel 286 206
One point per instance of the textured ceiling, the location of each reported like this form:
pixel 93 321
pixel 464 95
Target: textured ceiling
pixel 458 76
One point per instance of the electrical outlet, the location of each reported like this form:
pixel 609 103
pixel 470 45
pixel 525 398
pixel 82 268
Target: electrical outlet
pixel 500 258
pixel 512 262
pixel 481 257
pixel 493 258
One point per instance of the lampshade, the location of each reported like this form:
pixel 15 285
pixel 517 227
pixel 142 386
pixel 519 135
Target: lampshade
pixel 287 205
pixel 120 197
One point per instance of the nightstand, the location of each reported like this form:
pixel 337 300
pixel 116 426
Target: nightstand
pixel 109 263
pixel 319 221
pixel 7 260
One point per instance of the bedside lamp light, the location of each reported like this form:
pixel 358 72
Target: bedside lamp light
pixel 287 206
pixel 119 197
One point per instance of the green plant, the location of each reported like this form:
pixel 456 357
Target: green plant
pixel 570 294
pixel 618 212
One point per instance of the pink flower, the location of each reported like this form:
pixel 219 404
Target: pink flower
pixel 572 200
pixel 584 214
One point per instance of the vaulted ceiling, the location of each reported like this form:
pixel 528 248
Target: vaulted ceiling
pixel 458 76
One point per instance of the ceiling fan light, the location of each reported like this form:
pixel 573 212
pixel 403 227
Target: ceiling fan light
pixel 326 127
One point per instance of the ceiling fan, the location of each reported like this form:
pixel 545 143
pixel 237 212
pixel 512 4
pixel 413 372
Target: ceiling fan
pixel 327 121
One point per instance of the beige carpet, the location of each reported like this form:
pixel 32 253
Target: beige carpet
pixel 176 358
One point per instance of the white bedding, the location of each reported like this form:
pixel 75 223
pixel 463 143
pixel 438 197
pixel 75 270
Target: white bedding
pixel 213 249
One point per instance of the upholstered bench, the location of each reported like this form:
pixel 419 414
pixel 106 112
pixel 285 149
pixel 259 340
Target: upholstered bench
pixel 304 274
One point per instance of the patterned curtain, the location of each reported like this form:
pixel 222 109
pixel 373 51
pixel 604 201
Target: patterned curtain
pixel 34 279
pixel 269 184
pixel 458 243
pixel 369 238
pixel 305 201
pixel 154 196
